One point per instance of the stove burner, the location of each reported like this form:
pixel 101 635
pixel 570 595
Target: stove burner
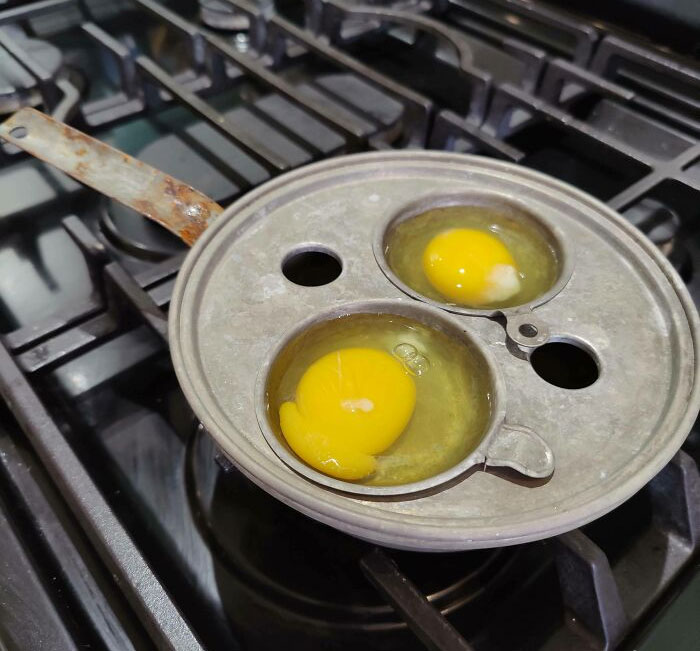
pixel 663 226
pixel 136 235
pixel 172 153
pixel 301 570
pixel 17 87
pixel 657 221
pixel 222 15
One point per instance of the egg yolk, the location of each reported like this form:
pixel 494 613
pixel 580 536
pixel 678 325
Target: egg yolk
pixel 350 404
pixel 470 267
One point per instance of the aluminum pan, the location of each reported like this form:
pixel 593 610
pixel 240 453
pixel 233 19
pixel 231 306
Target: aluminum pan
pixel 231 304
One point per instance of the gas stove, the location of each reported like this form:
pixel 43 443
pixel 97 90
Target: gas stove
pixel 125 528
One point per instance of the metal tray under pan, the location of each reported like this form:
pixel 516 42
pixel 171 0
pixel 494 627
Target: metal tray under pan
pixel 617 296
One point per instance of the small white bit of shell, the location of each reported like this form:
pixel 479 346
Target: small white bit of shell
pixel 502 283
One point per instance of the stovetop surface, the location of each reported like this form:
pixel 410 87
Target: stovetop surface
pixel 125 529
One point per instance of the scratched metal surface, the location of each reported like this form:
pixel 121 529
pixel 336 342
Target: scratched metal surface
pixel 232 305
pixel 173 204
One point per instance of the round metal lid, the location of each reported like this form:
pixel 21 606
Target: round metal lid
pixel 623 301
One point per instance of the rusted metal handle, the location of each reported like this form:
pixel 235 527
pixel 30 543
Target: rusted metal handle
pixel 173 204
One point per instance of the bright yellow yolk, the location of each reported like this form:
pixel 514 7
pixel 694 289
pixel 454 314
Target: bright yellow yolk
pixel 470 267
pixel 350 405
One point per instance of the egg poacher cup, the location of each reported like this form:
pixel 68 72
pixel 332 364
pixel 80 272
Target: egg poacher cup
pixel 516 316
pixel 501 444
pixel 232 305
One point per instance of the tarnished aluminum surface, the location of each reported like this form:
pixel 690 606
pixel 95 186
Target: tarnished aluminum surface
pixel 172 203
pixel 232 305
pixel 616 296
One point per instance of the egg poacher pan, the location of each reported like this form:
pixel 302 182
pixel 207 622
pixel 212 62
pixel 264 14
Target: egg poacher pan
pixel 579 452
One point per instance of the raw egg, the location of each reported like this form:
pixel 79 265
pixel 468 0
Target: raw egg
pixel 471 267
pixel 350 404
pixel 379 399
pixel 473 256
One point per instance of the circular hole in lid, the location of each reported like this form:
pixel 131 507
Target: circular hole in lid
pixel 18 132
pixel 565 364
pixel 311 267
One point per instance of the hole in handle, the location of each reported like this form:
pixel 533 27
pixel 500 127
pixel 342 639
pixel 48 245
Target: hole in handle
pixel 528 330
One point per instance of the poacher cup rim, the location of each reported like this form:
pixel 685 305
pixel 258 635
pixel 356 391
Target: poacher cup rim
pixel 452 328
pixel 565 250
